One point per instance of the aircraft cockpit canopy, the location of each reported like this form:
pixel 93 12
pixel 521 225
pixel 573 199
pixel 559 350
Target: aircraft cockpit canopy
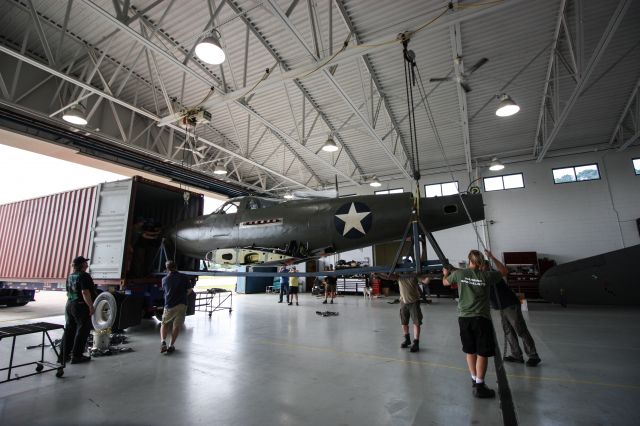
pixel 246 203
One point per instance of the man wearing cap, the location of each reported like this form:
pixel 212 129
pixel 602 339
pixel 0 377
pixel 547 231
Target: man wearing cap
pixel 81 292
pixel 176 287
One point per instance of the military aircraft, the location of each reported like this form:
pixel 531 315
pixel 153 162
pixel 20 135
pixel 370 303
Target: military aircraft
pixel 257 230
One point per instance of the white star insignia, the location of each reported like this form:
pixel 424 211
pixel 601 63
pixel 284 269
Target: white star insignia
pixel 352 220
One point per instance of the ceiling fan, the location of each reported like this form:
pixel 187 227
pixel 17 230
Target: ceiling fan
pixel 462 77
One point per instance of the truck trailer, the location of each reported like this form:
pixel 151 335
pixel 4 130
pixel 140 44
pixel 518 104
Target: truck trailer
pixel 118 225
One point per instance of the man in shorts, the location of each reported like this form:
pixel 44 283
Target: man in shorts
pixel 474 318
pixel 331 282
pixel 409 307
pixel 294 284
pixel 176 287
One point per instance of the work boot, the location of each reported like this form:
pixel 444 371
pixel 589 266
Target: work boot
pixel 163 348
pixel 80 359
pixel 297 304
pixel 406 343
pixel 171 349
pixel 332 301
pixel 325 302
pixel 510 358
pixel 415 347
pixel 532 362
pixel 482 391
pixel 290 303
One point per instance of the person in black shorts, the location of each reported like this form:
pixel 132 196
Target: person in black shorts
pixel 476 329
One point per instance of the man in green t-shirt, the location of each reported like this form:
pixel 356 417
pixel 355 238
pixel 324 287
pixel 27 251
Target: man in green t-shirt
pixel 81 292
pixel 474 318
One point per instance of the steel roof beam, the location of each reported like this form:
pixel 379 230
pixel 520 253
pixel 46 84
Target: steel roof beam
pixel 355 52
pixel 332 82
pixel 139 111
pixel 154 48
pixel 264 42
pixel 458 66
pixel 612 26
pixel 618 133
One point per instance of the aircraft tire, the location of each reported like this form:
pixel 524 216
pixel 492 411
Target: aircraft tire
pixel 105 311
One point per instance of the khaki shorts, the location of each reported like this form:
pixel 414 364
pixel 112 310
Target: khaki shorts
pixel 410 311
pixel 175 314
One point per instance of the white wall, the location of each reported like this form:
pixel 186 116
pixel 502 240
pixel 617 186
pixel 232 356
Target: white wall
pixel 563 222
pixel 568 221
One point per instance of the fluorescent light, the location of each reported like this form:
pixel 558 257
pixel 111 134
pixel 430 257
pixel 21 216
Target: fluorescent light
pixel 330 145
pixel 75 115
pixel 219 170
pixel 507 106
pixel 210 51
pixel 496 165
pixel 375 183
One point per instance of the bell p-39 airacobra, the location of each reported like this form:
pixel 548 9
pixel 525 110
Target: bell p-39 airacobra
pixel 256 230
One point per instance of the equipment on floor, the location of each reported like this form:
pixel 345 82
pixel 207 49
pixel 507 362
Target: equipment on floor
pixel 327 313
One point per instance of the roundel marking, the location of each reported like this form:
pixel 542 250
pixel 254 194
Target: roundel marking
pixel 353 220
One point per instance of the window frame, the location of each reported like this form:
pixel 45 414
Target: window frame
pixel 387 191
pixel 575 174
pixel 457 183
pixel 484 185
pixel 635 171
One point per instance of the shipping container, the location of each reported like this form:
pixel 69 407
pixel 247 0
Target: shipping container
pixel 118 225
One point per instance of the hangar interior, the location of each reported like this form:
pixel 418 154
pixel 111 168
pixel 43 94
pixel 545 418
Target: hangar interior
pixel 324 95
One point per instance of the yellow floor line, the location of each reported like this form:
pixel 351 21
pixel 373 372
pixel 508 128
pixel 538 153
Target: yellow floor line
pixel 450 367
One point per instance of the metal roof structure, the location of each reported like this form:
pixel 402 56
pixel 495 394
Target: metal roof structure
pixel 297 72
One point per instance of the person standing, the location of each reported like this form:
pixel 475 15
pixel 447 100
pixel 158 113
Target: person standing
pixel 476 329
pixel 294 284
pixel 81 292
pixel 331 282
pixel 513 324
pixel 176 288
pixel 409 307
pixel 284 285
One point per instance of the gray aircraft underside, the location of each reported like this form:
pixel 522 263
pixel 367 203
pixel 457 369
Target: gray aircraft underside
pixel 265 230
pixel 605 279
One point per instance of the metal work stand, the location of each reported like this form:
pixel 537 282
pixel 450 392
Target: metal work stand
pixel 206 301
pixel 21 330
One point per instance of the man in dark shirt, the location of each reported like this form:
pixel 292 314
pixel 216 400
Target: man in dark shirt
pixel 176 287
pixel 81 293
pixel 513 324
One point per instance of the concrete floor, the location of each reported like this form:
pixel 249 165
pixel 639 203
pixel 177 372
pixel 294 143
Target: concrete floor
pixel 273 364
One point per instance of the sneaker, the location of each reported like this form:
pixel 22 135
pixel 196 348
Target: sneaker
pixel 532 362
pixel 80 359
pixel 482 391
pixel 171 349
pixel 163 348
pixel 510 358
pixel 325 302
pixel 415 347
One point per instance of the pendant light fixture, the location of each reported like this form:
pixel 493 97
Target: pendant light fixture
pixel 219 170
pixel 209 49
pixel 375 182
pixel 75 115
pixel 506 106
pixel 330 145
pixel 496 165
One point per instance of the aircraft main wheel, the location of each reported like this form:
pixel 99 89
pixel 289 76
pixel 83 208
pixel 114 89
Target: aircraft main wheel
pixel 105 311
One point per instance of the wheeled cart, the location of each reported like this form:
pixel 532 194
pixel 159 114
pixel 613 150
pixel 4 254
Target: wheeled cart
pixel 206 301
pixel 24 329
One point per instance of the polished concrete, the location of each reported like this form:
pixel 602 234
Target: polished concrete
pixel 272 364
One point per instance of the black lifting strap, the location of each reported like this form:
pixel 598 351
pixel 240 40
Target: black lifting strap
pixel 410 81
